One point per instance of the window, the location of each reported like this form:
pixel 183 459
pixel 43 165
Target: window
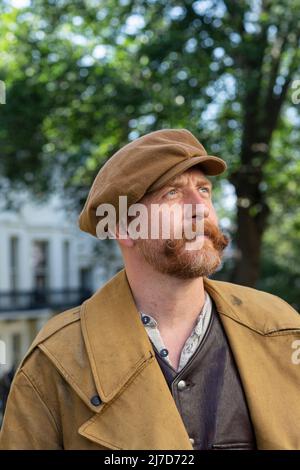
pixel 66 263
pixel 41 264
pixel 85 278
pixel 14 261
pixel 16 349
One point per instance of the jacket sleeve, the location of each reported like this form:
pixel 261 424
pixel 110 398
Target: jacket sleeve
pixel 28 422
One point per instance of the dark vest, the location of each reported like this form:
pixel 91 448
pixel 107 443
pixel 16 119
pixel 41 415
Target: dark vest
pixel 209 395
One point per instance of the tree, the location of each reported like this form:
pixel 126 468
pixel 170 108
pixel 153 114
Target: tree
pixel 99 74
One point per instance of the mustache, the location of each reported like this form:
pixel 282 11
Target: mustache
pixel 219 240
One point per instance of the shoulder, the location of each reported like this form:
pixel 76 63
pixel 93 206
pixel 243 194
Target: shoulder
pixel 257 309
pixel 58 355
pixel 245 292
pixel 61 321
pixel 60 328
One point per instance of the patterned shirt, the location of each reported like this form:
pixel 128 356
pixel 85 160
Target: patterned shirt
pixel 191 343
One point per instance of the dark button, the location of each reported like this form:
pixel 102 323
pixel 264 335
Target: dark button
pixel 146 320
pixel 164 353
pixel 95 400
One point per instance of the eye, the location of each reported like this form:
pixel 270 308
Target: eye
pixel 206 189
pixel 172 192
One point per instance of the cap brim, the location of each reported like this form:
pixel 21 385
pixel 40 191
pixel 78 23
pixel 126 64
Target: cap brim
pixel 210 165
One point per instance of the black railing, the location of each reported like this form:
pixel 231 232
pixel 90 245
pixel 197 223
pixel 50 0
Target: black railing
pixel 37 299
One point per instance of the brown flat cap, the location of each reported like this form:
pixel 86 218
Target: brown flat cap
pixel 144 165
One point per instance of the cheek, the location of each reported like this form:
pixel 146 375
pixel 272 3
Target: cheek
pixel 213 215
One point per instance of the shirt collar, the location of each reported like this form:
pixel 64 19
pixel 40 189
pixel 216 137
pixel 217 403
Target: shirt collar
pixel 150 322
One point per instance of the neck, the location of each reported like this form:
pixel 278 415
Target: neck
pixel 174 303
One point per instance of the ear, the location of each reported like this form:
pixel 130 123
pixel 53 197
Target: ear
pixel 123 237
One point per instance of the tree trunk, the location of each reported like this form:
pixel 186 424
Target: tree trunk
pixel 247 266
pixel 252 220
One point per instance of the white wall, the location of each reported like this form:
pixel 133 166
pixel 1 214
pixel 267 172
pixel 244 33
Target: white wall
pixel 43 222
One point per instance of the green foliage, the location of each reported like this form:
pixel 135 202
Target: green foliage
pixel 83 77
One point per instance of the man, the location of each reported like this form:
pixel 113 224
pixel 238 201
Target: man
pixel 161 357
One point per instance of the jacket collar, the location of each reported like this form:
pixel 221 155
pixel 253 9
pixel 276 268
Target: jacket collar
pixel 115 338
pixel 260 311
pixel 118 345
pixel 126 375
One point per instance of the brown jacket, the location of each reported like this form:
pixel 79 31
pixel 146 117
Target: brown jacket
pixel 101 349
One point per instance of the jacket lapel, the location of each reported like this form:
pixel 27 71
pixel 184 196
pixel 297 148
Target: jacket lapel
pixel 139 411
pixel 261 329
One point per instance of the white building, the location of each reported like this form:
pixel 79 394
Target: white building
pixel 46 266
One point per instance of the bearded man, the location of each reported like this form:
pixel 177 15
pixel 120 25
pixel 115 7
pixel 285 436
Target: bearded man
pixel 162 356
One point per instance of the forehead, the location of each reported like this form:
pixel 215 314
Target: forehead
pixel 193 175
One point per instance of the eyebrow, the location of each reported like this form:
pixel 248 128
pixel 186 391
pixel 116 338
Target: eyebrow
pixel 180 182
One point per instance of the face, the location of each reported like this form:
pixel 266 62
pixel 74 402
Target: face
pixel 171 256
